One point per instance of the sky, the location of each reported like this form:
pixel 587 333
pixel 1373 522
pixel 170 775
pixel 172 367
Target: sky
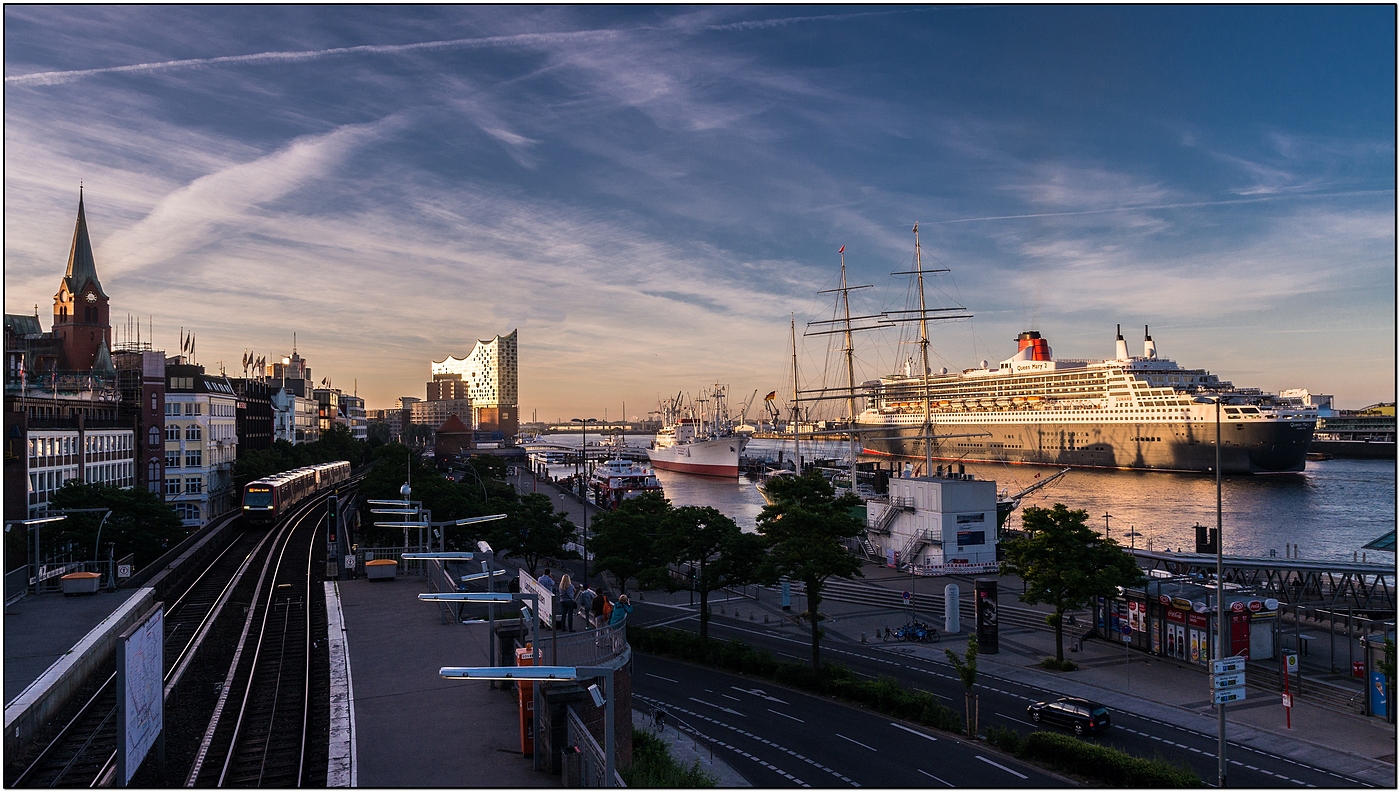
pixel 650 194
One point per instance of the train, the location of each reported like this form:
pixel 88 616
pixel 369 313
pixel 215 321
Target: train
pixel 266 500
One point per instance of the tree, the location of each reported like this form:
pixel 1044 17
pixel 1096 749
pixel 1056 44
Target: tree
pixel 717 552
pixel 1065 563
pixel 804 526
pixel 967 674
pixel 532 530
pixel 626 541
pixel 140 523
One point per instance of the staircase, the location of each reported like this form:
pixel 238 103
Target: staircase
pixel 916 543
pixel 885 520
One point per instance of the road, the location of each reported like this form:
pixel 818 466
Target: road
pixel 1003 702
pixel 779 737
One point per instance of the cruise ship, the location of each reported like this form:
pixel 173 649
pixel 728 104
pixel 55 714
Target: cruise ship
pixel 1128 412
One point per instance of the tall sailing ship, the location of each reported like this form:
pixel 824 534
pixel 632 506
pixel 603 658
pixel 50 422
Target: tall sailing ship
pixel 702 441
pixel 1139 412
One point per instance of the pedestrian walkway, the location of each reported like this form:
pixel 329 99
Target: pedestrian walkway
pixel 411 727
pixel 1168 690
pixel 41 628
pixel 687 751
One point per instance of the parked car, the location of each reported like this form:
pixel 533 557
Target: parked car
pixel 1076 713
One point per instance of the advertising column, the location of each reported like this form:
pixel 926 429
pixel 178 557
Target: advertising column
pixel 985 594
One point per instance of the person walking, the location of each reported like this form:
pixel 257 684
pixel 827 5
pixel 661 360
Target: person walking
pixel 620 610
pixel 567 593
pixel 585 603
pixel 600 609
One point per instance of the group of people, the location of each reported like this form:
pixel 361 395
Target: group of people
pixel 597 609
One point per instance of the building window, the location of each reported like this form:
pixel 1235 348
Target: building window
pixel 154 437
pixel 172 486
pixel 194 485
pixel 172 458
pixel 172 432
pixel 192 432
pixel 192 458
pixel 154 403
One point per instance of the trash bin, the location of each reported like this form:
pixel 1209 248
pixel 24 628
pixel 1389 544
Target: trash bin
pixel 80 583
pixel 381 569
pixel 1358 669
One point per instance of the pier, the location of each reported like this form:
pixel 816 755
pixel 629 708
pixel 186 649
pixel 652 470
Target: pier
pixel 1293 581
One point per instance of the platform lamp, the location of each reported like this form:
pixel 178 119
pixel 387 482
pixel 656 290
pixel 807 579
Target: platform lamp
pixel 583 491
pixel 1221 626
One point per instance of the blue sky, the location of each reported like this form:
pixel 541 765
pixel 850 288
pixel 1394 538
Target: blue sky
pixel 648 193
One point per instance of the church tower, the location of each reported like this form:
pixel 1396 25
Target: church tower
pixel 81 321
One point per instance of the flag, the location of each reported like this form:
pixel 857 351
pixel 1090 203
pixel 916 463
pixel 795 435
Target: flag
pixel 771 396
pixel 842 250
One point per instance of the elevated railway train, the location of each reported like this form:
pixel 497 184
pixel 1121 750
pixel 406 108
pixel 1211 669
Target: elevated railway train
pixel 267 499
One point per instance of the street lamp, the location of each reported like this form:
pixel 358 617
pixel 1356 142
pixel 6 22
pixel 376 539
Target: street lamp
pixel 1221 627
pixel 583 493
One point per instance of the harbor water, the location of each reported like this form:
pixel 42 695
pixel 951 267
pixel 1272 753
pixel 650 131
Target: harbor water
pixel 1329 511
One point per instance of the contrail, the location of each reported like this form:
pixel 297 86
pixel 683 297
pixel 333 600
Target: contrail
pixel 526 39
pixel 1186 205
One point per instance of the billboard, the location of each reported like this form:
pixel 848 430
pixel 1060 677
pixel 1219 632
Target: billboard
pixel 140 690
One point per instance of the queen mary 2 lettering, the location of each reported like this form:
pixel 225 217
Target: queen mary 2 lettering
pixel 1129 412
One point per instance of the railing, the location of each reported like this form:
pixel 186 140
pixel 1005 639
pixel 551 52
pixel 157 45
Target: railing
pixel 593 761
pixel 409 567
pixel 583 648
pixel 886 518
pixel 16 584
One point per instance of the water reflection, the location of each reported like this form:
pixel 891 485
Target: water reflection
pixel 1329 511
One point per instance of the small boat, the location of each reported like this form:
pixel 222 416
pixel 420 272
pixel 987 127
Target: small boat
pixel 617 480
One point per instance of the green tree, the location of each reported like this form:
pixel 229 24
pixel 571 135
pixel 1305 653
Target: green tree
pixel 379 430
pixel 627 541
pixel 533 530
pixel 1065 563
pixel 804 526
pixel 718 553
pixel 140 523
pixel 966 667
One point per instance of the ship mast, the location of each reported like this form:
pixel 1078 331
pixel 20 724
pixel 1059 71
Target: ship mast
pixel 796 416
pixel 923 349
pixel 850 371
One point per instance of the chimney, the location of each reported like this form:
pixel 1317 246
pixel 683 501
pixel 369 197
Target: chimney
pixel 1149 349
pixel 1122 351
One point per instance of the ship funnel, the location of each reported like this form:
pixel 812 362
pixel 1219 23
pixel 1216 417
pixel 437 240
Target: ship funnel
pixel 1031 340
pixel 1122 351
pixel 1149 349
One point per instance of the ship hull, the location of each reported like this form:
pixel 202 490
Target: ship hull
pixel 718 457
pixel 1246 447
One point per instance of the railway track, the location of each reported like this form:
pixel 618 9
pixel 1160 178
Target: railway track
pixel 202 636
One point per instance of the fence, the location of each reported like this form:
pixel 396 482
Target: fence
pixel 593 762
pixel 583 648
pixel 417 568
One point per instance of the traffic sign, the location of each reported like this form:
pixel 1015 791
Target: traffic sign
pixel 350 561
pixel 123 570
pixel 1126 630
pixel 906 596
pixel 1229 665
pixel 1290 663
pixel 1226 681
pixel 1287 699
pixel 1227 696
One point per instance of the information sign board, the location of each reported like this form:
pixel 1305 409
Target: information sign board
pixel 529 585
pixel 123 570
pixel 1226 681
pixel 1229 665
pixel 1227 696
pixel 1290 663
pixel 1287 699
pixel 350 561
pixel 140 691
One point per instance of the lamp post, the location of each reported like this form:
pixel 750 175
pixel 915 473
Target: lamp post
pixel 584 422
pixel 1221 626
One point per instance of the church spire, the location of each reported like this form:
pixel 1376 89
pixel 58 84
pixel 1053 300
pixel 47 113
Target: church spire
pixel 82 268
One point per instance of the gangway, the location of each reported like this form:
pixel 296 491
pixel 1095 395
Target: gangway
pixel 1357 585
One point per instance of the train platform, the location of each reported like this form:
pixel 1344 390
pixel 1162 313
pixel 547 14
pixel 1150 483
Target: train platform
pixel 410 727
pixel 41 628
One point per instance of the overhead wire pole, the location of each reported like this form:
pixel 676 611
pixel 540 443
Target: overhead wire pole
pixel 1221 626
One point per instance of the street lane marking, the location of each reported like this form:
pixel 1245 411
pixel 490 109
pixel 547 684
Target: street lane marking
pixel 731 698
pixel 658 676
pixel 1003 767
pixel 757 692
pixel 785 715
pixel 719 707
pixel 916 732
pixel 857 742
pixel 935 778
pixel 1018 720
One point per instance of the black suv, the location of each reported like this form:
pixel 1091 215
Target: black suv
pixel 1079 714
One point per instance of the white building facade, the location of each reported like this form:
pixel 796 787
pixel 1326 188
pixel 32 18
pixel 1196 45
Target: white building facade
pixel 201 444
pixel 936 525
pixel 94 456
pixel 295 419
